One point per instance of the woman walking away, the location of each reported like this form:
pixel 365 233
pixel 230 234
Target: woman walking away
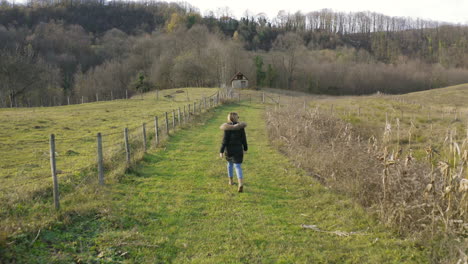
pixel 235 144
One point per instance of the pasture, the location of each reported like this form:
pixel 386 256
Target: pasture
pixel 165 206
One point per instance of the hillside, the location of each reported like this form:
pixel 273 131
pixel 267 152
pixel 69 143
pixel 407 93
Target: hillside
pixel 55 52
pixel 403 157
pixel 453 96
pixel 25 172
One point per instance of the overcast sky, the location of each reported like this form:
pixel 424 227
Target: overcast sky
pixel 454 11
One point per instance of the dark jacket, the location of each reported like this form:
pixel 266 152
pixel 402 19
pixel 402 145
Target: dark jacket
pixel 234 141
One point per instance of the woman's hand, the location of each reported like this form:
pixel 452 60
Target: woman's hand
pixel 221 155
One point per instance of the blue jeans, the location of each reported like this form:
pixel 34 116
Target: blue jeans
pixel 238 167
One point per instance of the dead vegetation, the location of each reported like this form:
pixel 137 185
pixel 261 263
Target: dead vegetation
pixel 424 199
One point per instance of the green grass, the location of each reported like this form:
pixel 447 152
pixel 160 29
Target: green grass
pixel 25 178
pixel 429 112
pixel 176 207
pixel 24 132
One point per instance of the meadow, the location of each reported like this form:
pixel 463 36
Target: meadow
pixel 349 161
pixel 25 174
pixel 403 157
pixel 175 206
pixel 424 118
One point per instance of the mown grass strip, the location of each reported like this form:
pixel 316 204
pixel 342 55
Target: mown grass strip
pixel 176 207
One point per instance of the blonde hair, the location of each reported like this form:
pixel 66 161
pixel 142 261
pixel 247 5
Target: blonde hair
pixel 233 117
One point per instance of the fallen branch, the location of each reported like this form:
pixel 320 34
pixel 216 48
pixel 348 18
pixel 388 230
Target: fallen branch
pixel 37 236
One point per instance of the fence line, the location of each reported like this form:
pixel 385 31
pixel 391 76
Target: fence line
pixel 63 100
pixel 67 159
pixel 71 160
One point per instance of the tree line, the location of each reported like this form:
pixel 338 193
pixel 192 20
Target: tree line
pixel 51 51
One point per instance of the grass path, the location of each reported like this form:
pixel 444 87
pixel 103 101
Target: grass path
pixel 180 201
pixel 176 207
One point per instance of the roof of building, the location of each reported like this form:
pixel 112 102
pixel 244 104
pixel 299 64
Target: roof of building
pixel 239 76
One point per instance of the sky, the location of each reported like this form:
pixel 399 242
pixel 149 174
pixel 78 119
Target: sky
pixel 453 11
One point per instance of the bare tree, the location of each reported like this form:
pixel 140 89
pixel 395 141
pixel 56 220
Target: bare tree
pixel 290 46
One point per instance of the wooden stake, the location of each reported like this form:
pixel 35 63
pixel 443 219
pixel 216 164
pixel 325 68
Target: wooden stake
pixel 167 124
pixel 189 109
pixel 156 130
pixel 178 116
pixel 144 137
pixel 53 168
pixel 127 146
pixel 100 159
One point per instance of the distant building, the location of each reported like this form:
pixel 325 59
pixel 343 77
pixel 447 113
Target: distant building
pixel 239 81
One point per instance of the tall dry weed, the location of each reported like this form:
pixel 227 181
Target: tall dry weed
pixel 420 198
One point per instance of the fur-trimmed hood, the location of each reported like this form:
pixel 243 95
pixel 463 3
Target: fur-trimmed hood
pixel 229 126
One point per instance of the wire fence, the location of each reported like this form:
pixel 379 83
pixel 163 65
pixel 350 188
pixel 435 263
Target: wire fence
pixel 72 161
pixel 91 158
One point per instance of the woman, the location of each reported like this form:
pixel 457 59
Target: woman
pixel 235 144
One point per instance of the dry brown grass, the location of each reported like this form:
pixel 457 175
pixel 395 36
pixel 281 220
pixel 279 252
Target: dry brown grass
pixel 424 199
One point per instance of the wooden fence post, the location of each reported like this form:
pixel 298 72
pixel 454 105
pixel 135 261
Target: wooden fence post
pixel 167 124
pixel 144 137
pixel 239 97
pixel 185 116
pixel 204 103
pixel 97 97
pixel 126 94
pixel 53 168
pixel 156 130
pixel 68 100
pixel 189 109
pixel 263 97
pixel 82 99
pixel 127 146
pixel 178 116
pixel 173 119
pixel 100 159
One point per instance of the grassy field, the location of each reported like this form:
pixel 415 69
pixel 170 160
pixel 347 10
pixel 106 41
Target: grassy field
pixel 176 207
pixel 24 132
pixel 424 118
pixel 25 181
pixel 404 157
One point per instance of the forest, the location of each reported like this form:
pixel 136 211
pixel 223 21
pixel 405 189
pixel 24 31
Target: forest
pixel 61 52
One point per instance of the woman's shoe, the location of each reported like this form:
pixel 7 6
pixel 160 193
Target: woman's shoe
pixel 241 188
